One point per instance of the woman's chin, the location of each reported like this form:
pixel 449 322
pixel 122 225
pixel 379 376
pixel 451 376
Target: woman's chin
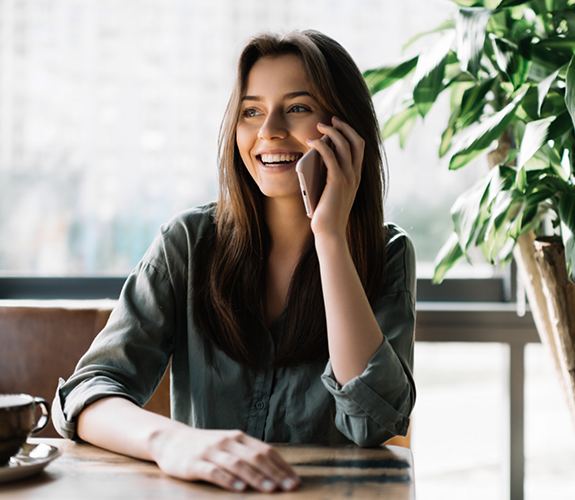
pixel 284 195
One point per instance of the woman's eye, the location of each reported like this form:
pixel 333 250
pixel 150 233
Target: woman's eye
pixel 297 108
pixel 250 112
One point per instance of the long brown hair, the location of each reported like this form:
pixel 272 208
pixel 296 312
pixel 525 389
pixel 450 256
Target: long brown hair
pixel 230 271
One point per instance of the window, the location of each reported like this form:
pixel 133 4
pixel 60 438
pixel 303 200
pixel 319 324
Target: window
pixel 109 115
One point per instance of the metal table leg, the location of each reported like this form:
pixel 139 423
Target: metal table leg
pixel 514 457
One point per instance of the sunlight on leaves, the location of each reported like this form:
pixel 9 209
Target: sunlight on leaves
pixel 535 136
pixel 570 89
pixel 428 78
pixel 381 78
pixel 567 216
pixel 449 254
pixel 470 25
pixel 476 140
pixel 543 88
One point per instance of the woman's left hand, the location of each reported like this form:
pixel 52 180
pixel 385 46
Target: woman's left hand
pixel 344 163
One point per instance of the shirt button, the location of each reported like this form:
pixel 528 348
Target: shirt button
pixel 260 405
pixel 398 426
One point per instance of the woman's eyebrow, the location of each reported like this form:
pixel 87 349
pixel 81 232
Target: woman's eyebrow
pixel 290 95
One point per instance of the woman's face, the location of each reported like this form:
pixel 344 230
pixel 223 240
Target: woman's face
pixel 277 115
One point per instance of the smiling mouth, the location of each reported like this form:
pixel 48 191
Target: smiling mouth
pixel 270 160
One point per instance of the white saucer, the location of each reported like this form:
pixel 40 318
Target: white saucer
pixel 31 459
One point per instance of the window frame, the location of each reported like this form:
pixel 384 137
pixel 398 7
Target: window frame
pixel 496 289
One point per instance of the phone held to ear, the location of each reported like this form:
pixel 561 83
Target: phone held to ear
pixel 312 175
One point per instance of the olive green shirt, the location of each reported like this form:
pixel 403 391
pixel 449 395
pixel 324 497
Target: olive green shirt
pixel 153 321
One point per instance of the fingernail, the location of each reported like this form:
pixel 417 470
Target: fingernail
pixel 239 485
pixel 267 485
pixel 336 119
pixel 288 484
pixel 322 124
pixel 308 141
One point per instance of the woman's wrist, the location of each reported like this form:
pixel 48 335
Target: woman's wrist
pixel 331 244
pixel 161 436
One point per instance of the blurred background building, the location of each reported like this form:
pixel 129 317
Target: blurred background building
pixel 110 110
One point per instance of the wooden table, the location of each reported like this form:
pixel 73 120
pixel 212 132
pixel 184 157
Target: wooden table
pixel 85 472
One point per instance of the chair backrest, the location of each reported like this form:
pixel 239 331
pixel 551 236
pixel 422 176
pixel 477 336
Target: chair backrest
pixel 41 341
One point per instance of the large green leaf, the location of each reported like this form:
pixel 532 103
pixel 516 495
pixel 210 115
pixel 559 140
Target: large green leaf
pixel 511 3
pixel 559 43
pixel 428 88
pixel 473 102
pixel 547 60
pixel 475 141
pixel 555 182
pixel 528 109
pixel 500 207
pixel 546 163
pixel 532 217
pixel 570 89
pixel 464 157
pixel 519 71
pixel 551 156
pixel 394 124
pixel 401 123
pixel 470 25
pixel 504 222
pixel 428 78
pixel 381 78
pixel 554 5
pixel 541 194
pixel 536 134
pixel 525 214
pixel 559 126
pixel 458 89
pixel 521 180
pixel 553 105
pixel 504 50
pixel 570 18
pixel 468 212
pixel 567 216
pixel 512 59
pixel 449 254
pixel 543 88
pixel 502 178
pixel 448 133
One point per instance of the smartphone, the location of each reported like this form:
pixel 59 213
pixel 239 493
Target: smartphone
pixel 312 174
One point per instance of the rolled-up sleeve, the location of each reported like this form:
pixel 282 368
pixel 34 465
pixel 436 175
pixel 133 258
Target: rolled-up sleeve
pixel 375 406
pixel 129 356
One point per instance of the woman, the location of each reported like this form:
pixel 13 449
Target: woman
pixel 280 328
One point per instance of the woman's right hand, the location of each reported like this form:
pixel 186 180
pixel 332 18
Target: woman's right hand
pixel 230 459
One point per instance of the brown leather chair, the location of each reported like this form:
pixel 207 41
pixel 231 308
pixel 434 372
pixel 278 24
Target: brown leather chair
pixel 41 341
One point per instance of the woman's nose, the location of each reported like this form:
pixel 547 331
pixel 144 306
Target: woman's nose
pixel 274 127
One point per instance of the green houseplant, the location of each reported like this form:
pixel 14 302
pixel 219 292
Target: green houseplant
pixel 509 69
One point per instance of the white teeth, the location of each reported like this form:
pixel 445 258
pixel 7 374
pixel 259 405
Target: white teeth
pixel 277 158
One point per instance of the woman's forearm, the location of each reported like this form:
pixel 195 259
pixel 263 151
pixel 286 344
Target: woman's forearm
pixel 230 459
pixel 353 333
pixel 119 425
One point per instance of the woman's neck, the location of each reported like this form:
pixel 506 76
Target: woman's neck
pixel 290 231
pixel 288 224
